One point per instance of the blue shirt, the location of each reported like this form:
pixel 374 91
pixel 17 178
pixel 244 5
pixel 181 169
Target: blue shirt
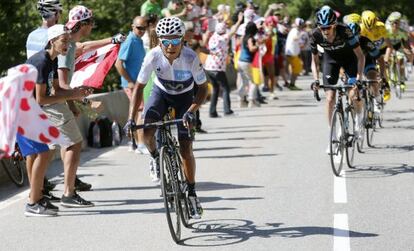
pixel 36 41
pixel 132 52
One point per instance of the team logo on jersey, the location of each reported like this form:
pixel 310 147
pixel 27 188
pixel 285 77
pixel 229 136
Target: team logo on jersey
pixel 181 75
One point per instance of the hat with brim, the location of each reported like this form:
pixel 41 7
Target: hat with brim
pixel 77 14
pixel 55 31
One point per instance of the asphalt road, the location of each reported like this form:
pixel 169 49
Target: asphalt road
pixel 264 180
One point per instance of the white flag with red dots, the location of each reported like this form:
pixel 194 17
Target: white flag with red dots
pixel 19 111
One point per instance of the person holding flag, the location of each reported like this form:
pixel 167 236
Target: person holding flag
pixel 80 25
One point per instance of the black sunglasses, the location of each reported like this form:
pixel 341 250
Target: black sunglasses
pixel 325 27
pixel 141 28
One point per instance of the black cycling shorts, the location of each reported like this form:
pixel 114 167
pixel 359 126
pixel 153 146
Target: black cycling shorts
pixel 157 107
pixel 331 68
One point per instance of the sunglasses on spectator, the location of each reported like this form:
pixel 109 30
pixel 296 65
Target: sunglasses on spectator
pixel 173 42
pixel 89 21
pixel 325 28
pixel 141 28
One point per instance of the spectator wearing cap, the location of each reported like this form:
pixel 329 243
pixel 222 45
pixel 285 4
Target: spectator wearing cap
pixel 50 11
pixel 128 65
pixel 292 51
pixel 175 8
pixel 151 7
pixel 38 155
pixel 215 65
pixel 80 23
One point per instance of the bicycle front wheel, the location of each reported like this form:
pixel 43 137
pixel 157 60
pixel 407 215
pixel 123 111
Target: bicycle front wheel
pixel 169 187
pixel 184 209
pixel 350 139
pixel 337 142
pixel 14 168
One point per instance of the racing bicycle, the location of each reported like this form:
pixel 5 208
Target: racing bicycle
pixel 173 182
pixel 342 134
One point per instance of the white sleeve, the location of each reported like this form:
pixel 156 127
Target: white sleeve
pixel 146 68
pixel 198 72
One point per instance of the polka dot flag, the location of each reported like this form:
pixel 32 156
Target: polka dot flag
pixel 19 111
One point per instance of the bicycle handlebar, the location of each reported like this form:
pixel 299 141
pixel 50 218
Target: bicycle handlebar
pixel 334 87
pixel 157 124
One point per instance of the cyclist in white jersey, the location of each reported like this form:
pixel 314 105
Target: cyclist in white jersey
pixel 177 69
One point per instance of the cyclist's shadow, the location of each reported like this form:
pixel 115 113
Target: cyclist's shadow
pixel 224 232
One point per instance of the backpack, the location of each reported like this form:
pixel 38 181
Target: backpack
pixel 100 133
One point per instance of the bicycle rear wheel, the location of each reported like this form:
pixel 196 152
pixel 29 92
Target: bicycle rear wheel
pixel 371 123
pixel 337 142
pixel 380 118
pixel 350 140
pixel 14 168
pixel 360 142
pixel 170 195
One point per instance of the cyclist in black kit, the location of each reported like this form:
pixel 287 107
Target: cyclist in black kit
pixel 341 49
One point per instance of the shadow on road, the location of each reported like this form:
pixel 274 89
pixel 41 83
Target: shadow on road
pixel 224 232
pixel 222 148
pixel 243 127
pixel 375 171
pixel 237 156
pixel 239 138
pixel 242 131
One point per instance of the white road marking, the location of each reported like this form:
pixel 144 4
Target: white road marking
pixel 340 189
pixel 341 233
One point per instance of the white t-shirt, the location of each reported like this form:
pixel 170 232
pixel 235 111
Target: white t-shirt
pixel 175 78
pixel 293 43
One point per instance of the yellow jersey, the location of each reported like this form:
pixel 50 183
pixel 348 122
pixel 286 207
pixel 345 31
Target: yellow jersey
pixel 377 34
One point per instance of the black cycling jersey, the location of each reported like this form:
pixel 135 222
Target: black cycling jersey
pixel 342 46
pixel 368 47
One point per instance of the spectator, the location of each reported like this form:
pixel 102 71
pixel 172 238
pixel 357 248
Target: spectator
pixel 128 64
pixel 215 65
pixel 151 7
pixel 80 24
pixel 37 154
pixel 249 47
pixel 50 10
pixel 292 51
pixel 175 8
pixel 268 57
pixel 305 53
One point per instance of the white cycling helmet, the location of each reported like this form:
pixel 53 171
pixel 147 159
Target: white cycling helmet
pixel 48 8
pixel 170 26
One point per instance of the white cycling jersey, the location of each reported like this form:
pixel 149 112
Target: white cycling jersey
pixel 175 78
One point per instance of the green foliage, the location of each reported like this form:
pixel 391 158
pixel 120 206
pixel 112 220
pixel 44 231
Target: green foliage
pixel 19 17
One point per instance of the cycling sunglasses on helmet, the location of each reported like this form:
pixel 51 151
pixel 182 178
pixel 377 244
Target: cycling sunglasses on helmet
pixel 174 42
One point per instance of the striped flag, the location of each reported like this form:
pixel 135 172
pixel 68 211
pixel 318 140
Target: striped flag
pixel 92 67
